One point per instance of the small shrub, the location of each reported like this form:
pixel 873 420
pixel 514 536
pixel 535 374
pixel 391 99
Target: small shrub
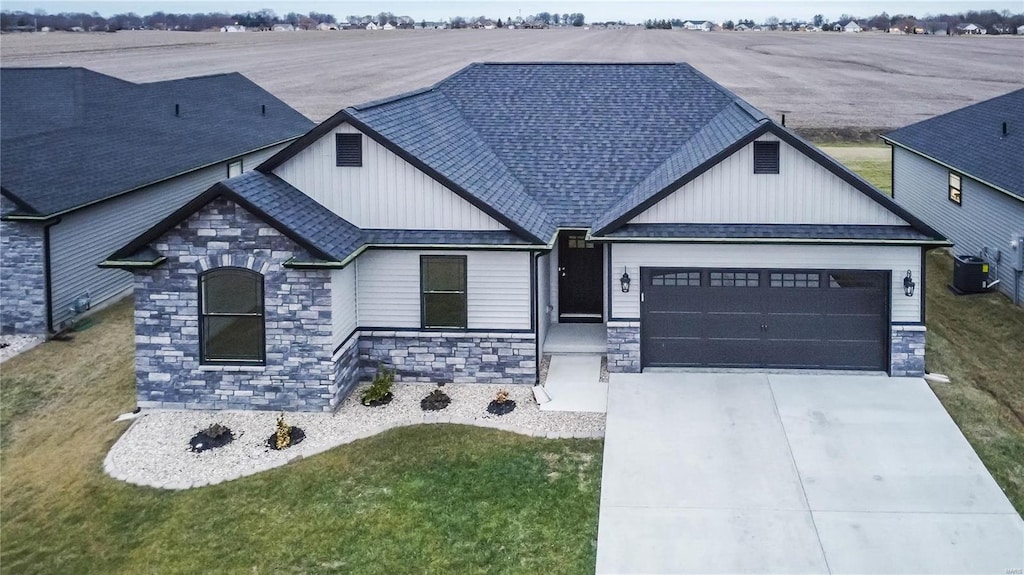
pixel 285 435
pixel 379 392
pixel 501 404
pixel 435 401
pixel 212 437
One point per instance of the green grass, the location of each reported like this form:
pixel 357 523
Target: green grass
pixel 428 499
pixel 871 162
pixel 978 341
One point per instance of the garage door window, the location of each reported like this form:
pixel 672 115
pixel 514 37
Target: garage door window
pixel 734 279
pixel 680 279
pixel 854 280
pixel 794 280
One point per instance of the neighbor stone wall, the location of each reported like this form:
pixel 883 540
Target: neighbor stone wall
pixel 624 347
pixel 299 374
pixel 451 357
pixel 907 351
pixel 22 276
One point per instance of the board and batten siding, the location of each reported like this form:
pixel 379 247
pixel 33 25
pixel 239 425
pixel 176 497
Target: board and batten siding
pixel 385 192
pixel 803 192
pixel 85 237
pixel 898 259
pixel 497 288
pixel 344 319
pixel 985 218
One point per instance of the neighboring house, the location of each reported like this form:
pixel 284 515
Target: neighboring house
pixel 327 26
pixel 702 25
pixel 970 29
pixel 233 28
pixel 283 28
pixel 741 28
pixel 1020 30
pixel 962 173
pixel 852 26
pixel 445 232
pixel 372 26
pixel 91 161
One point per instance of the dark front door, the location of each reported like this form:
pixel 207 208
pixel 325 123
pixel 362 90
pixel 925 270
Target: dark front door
pixel 579 278
pixel 830 319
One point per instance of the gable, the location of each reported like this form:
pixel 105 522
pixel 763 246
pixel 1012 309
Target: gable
pixel 803 192
pixel 385 192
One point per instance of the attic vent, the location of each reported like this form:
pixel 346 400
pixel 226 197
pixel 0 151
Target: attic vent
pixel 349 150
pixel 766 157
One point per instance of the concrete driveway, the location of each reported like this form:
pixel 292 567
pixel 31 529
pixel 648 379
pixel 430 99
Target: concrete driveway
pixel 763 473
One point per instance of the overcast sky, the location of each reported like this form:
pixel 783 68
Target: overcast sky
pixel 599 10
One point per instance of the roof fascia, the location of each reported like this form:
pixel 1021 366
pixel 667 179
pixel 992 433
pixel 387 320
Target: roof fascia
pixel 952 167
pixel 682 181
pixel 804 241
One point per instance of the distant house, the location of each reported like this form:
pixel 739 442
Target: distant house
pixel 388 26
pixel 852 26
pixel 89 161
pixel 325 26
pixel 372 26
pixel 934 28
pixel 895 30
pixel 961 173
pixel 741 28
pixel 970 29
pixel 232 28
pixel 1020 30
pixel 283 28
pixel 701 25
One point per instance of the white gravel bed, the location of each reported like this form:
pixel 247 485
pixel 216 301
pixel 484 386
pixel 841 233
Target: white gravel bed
pixel 16 344
pixel 154 451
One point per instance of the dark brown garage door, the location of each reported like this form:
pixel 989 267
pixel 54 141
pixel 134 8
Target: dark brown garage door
pixel 826 319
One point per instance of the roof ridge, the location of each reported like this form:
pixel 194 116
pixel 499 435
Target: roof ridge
pixel 753 112
pixel 951 112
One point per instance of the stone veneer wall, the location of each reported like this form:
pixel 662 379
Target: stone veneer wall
pixel 347 370
pixel 456 357
pixel 907 351
pixel 299 374
pixel 624 347
pixel 22 276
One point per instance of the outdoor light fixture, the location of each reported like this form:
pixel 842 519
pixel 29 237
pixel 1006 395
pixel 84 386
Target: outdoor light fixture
pixel 909 285
pixel 624 280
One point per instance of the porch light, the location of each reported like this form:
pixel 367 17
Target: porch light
pixel 624 281
pixel 908 285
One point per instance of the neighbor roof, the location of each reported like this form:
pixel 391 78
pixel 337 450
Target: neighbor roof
pixel 971 141
pixel 71 136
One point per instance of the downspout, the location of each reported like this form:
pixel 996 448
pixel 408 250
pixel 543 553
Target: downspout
pixel 48 274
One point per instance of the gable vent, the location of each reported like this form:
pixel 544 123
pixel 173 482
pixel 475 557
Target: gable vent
pixel 349 150
pixel 766 157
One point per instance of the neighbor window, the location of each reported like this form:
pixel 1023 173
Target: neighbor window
pixel 235 168
pixel 443 284
pixel 955 193
pixel 349 150
pixel 231 306
pixel 766 157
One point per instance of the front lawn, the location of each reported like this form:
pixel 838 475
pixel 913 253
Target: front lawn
pixel 428 499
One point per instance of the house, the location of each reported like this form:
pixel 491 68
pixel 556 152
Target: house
pixel 961 172
pixel 91 161
pixel 232 28
pixel 447 231
pixel 372 26
pixel 328 26
pixel 1020 30
pixel 283 28
pixel 852 26
pixel 702 25
pixel 970 29
pixel 741 28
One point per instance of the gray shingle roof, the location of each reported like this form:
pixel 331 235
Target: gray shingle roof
pixel 70 136
pixel 560 145
pixel 971 141
pixel 770 231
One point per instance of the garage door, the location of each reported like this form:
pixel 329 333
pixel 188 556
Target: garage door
pixel 826 319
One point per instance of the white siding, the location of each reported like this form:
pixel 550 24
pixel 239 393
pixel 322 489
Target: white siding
pixel 898 259
pixel 497 286
pixel 344 318
pixel 803 192
pixel 386 192
pixel 86 237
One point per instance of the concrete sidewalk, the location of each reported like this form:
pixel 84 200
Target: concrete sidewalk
pixel 758 473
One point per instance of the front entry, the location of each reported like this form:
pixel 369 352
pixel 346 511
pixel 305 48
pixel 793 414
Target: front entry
pixel 579 278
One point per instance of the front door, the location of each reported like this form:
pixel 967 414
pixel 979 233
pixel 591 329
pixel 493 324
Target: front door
pixel 579 278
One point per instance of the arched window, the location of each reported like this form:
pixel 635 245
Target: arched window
pixel 231 316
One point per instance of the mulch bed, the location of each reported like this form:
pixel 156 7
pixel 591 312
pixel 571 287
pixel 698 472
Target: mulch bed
pixel 294 433
pixel 379 402
pixel 203 441
pixel 436 401
pixel 495 408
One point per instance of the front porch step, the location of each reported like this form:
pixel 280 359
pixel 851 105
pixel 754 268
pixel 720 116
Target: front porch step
pixel 588 338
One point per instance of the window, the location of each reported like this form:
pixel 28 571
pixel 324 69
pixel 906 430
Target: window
pixel 579 242
pixel 766 157
pixel 349 150
pixel 231 309
pixel 856 280
pixel 955 193
pixel 734 279
pixel 800 280
pixel 235 168
pixel 681 279
pixel 443 283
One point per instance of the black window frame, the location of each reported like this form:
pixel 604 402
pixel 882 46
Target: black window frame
pixel 957 198
pixel 424 292
pixel 766 157
pixel 204 314
pixel 348 150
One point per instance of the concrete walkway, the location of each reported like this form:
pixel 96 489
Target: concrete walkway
pixel 759 473
pixel 574 384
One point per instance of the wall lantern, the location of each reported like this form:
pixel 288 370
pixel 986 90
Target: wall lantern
pixel 624 281
pixel 908 285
